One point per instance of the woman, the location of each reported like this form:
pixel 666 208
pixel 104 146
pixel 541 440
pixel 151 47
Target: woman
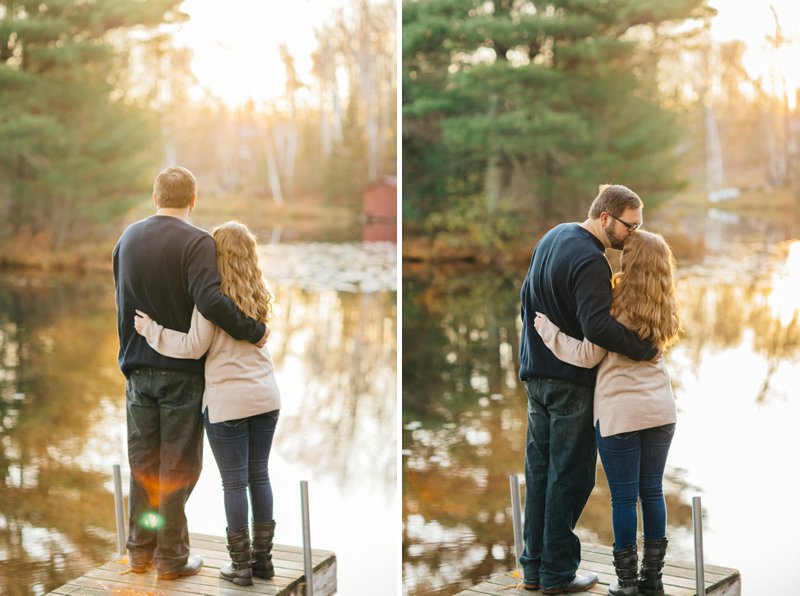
pixel 241 401
pixel 634 409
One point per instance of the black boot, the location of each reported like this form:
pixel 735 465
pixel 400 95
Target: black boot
pixel 263 533
pixel 625 564
pixel 238 570
pixel 650 582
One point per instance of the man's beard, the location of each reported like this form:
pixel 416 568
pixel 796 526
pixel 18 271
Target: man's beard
pixel 615 241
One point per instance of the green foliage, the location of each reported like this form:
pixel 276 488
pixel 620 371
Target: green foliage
pixel 511 106
pixel 73 146
pixel 469 223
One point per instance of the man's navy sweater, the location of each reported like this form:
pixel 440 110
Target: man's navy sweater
pixel 164 266
pixel 569 280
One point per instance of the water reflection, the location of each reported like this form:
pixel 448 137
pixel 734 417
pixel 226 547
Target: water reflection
pixel 754 302
pixel 342 346
pixel 57 351
pixel 336 327
pixel 464 415
pixel 464 412
pixel 62 411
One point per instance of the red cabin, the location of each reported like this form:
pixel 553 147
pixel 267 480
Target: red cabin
pixel 379 211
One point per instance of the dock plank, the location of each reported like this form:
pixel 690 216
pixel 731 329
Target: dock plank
pixel 678 577
pixel 115 576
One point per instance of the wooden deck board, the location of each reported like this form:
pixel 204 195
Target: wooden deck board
pixel 678 577
pixel 115 576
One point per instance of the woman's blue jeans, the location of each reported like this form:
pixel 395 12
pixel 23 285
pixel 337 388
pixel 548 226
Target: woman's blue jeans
pixel 634 465
pixel 241 448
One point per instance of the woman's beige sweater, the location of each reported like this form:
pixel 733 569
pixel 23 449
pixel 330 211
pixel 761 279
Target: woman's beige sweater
pixel 629 395
pixel 240 377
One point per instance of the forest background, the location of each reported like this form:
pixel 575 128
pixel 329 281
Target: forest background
pixel 514 111
pixel 96 97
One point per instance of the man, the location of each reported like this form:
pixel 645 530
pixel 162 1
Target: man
pixel 165 266
pixel 569 280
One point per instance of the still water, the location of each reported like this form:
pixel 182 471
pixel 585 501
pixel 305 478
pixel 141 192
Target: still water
pixel 735 374
pixel 62 410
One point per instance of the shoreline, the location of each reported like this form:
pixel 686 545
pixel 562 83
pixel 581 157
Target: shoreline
pixel 420 250
pixel 305 216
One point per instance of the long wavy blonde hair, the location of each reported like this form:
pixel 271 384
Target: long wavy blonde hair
pixel 644 289
pixel 241 277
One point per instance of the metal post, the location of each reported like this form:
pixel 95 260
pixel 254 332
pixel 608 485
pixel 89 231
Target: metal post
pixel 516 516
pixel 119 509
pixel 308 565
pixel 699 572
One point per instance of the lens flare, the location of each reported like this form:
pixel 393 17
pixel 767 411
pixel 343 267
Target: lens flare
pixel 151 520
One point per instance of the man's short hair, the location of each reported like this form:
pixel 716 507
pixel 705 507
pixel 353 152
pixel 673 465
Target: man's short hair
pixel 615 199
pixel 175 187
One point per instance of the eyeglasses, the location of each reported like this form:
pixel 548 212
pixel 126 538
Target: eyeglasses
pixel 631 227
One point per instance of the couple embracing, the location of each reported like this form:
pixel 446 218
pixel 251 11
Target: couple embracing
pixel 590 359
pixel 192 315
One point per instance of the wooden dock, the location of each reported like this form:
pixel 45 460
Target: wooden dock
pixel 115 577
pixel 678 577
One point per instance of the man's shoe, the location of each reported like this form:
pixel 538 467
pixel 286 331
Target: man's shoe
pixel 140 562
pixel 531 587
pixel 140 567
pixel 579 583
pixel 192 566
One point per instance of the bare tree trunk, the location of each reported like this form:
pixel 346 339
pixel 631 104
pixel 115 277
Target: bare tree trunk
pixel 272 170
pixel 493 177
pixel 170 154
pixel 365 74
pixel 780 113
pixel 323 75
pixel 714 169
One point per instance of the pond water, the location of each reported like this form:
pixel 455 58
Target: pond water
pixel 62 410
pixel 735 374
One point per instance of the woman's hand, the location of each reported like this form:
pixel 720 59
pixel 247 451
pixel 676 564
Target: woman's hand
pixel 263 341
pixel 539 320
pixel 140 321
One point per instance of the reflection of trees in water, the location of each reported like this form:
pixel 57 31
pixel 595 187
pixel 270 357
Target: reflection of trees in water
pixel 459 337
pixel 57 366
pixel 724 314
pixel 341 349
pixel 465 416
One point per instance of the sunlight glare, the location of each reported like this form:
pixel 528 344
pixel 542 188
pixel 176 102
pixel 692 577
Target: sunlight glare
pixel 783 299
pixel 236 54
pixel 752 22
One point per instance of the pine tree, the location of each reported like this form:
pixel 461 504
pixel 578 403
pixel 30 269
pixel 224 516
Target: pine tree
pixel 74 146
pixel 520 104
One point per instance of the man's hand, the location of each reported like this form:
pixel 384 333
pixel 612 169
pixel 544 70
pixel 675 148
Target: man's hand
pixel 263 340
pixel 140 320
pixel 657 357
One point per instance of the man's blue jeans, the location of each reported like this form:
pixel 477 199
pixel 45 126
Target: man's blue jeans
pixel 241 448
pixel 165 453
pixel 560 467
pixel 634 464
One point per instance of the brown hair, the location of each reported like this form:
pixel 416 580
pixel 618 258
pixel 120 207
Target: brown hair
pixel 175 187
pixel 644 289
pixel 240 273
pixel 615 199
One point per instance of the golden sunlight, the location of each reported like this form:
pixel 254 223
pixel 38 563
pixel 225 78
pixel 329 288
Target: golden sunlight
pixel 236 45
pixel 783 299
pixel 772 38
